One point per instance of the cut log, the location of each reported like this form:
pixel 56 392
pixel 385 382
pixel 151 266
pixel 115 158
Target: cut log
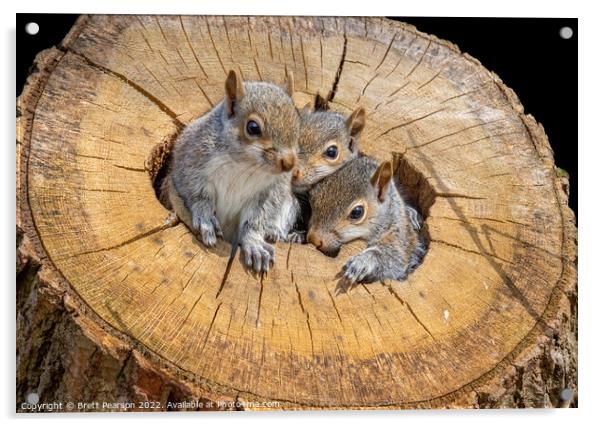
pixel 115 303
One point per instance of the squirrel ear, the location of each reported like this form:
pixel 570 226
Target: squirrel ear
pixel 234 91
pixel 382 178
pixel 355 123
pixel 290 83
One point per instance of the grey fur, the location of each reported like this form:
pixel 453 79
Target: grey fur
pixel 225 182
pixel 317 129
pixel 395 247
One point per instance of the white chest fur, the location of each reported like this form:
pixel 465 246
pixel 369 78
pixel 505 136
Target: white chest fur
pixel 236 186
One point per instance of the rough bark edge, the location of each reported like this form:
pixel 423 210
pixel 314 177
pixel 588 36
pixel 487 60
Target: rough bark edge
pixel 47 302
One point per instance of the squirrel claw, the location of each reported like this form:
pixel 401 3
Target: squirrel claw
pixel 358 267
pixel 208 236
pixel 258 256
pixel 216 227
pixel 297 237
pixel 209 230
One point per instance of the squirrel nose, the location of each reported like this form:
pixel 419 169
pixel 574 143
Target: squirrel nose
pixel 288 162
pixel 313 238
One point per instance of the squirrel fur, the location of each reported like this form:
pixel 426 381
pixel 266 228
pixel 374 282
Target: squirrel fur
pixel 230 173
pixel 359 201
pixel 324 133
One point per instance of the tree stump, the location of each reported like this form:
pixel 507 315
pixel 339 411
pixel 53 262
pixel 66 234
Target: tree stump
pixel 115 303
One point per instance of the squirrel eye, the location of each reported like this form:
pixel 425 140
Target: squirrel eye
pixel 357 212
pixel 332 152
pixel 253 128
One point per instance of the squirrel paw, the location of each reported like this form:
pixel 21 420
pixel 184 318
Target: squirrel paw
pixel 258 255
pixel 208 228
pixel 273 236
pixel 359 267
pixel 297 237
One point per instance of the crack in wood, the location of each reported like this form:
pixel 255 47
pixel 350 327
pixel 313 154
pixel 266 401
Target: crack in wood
pixel 92 157
pixel 203 92
pixel 396 91
pixel 459 96
pixel 304 63
pixel 191 258
pixel 261 276
pixel 337 76
pixel 210 325
pixel 196 58
pixel 122 244
pixel 405 304
pixel 253 48
pixel 457 196
pixel 470 251
pixel 410 122
pixel 357 62
pixel 334 305
pixel 288 254
pixel 179 125
pixel 366 87
pixel 321 63
pixel 429 80
pixel 215 47
pixel 465 221
pixel 424 144
pixel 369 293
pixel 161 29
pixel 419 61
pixel 228 36
pixel 386 53
pixel 271 48
pixel 128 168
pixel 156 78
pixel 100 190
pixel 478 140
pixel 311 335
pixel 191 277
pixel 395 67
pixel 257 68
pixel 298 293
pixel 227 270
pixel 143 36
pixel 290 41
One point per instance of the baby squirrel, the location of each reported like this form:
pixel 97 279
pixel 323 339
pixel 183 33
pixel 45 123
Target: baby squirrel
pixel 230 174
pixel 359 202
pixel 327 140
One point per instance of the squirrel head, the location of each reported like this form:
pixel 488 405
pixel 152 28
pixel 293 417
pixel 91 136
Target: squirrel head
pixel 327 140
pixel 350 204
pixel 262 120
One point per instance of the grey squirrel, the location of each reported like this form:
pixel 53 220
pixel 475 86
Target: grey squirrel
pixel 327 140
pixel 230 173
pixel 359 202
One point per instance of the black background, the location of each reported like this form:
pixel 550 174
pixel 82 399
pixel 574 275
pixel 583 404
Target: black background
pixel 527 53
